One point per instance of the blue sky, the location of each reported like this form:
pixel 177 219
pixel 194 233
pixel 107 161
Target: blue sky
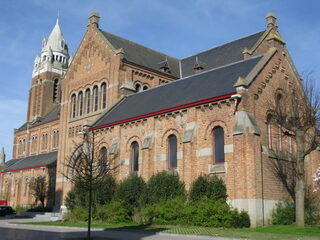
pixel 177 27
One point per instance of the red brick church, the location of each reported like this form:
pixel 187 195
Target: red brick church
pixel 203 114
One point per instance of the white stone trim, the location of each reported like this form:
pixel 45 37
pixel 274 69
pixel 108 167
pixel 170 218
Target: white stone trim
pixel 255 208
pixel 228 148
pixel 204 152
pixel 160 157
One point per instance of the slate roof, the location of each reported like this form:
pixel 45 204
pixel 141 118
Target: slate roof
pixel 54 114
pixel 142 55
pixel 10 162
pixel 205 85
pixel 32 161
pixel 221 55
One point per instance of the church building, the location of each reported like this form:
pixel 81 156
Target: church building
pixel 202 114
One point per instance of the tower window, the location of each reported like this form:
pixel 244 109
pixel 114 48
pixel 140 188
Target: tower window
pixel 104 95
pixel 80 103
pixel 172 151
pixel 55 90
pixel 88 101
pixel 95 98
pixel 73 106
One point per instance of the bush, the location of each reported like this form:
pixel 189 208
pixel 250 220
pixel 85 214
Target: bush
pixel 204 212
pixel 78 196
pixel 283 214
pixel 240 220
pixel 211 213
pixel 105 190
pixel 79 213
pixel 170 211
pixel 114 212
pixel 208 186
pixel 163 185
pixel 131 189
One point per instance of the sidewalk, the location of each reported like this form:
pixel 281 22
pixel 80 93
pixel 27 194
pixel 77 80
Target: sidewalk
pixel 55 232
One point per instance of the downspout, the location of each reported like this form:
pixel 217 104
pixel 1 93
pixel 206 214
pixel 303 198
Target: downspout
pixel 262 185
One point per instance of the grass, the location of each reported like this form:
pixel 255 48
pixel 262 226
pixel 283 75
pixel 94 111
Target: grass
pixel 263 233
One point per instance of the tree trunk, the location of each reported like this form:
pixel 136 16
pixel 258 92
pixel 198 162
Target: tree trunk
pixel 89 211
pixel 300 179
pixel 299 199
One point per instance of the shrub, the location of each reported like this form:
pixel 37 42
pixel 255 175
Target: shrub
pixel 105 190
pixel 170 211
pixel 78 196
pixel 204 212
pixel 79 213
pixel 240 220
pixel 210 213
pixel 312 210
pixel 283 214
pixel 163 185
pixel 131 189
pixel 208 186
pixel 114 212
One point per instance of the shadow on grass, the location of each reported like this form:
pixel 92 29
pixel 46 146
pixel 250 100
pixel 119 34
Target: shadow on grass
pixel 142 227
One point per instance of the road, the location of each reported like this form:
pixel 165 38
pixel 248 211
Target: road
pixel 25 232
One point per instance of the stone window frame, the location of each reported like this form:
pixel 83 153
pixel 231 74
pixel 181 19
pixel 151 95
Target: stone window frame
pixel 134 156
pixel 218 150
pixel 171 155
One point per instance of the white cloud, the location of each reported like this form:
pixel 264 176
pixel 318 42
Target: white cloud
pixel 12 115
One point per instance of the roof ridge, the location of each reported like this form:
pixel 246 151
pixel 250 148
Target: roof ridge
pixel 222 45
pixel 141 45
pixel 197 74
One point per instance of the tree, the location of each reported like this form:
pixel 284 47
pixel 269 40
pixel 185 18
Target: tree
pixel 295 110
pixel 87 167
pixel 39 189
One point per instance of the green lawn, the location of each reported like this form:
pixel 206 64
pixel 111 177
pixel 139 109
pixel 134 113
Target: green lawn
pixel 263 233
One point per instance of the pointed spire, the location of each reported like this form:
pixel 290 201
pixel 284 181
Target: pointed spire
pixel 56 40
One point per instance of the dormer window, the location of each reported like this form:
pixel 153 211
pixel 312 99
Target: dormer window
pixel 198 66
pixel 164 66
pixel 62 44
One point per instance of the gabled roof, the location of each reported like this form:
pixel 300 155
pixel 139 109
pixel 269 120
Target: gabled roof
pixel 141 55
pixel 221 55
pixel 206 85
pixel 54 114
pixel 40 160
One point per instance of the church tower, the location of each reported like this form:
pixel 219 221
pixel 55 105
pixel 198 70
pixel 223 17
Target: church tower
pixel 49 67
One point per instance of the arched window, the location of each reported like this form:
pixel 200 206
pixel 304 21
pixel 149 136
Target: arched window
pixel 55 140
pixel 44 144
pixel 172 151
pixel 135 157
pixel 24 146
pixel 80 103
pixel 34 144
pixel 88 101
pixel 55 90
pixel 95 98
pixel 73 106
pixel 269 131
pixel 104 154
pixel 218 145
pixel 103 95
pixel 145 88
pixel 138 87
